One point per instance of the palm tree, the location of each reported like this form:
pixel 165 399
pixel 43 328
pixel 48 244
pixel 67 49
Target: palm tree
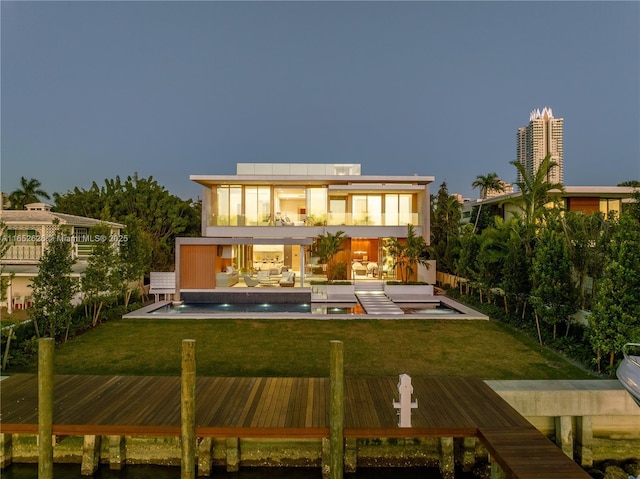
pixel 536 189
pixel 28 192
pixel 326 247
pixel 536 193
pixel 406 255
pixel 486 183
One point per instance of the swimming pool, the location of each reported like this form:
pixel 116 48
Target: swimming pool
pixel 444 308
pixel 435 309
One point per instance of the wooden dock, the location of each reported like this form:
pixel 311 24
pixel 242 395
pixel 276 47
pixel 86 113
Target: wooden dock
pixel 288 408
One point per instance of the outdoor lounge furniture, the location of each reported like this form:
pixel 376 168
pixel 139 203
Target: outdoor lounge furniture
pixel 228 277
pixel 162 283
pixel 288 279
pixel 372 268
pixel 264 277
pixel 270 266
pixel 17 301
pixel 358 269
pixel 249 281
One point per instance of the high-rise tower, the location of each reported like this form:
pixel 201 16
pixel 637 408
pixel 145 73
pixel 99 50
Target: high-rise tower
pixel 543 135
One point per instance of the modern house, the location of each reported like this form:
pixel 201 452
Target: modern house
pixel 28 232
pixel 264 219
pixel 587 199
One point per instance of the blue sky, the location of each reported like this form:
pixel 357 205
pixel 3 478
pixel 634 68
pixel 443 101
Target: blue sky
pixel 91 90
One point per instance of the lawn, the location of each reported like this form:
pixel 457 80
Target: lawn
pixel 372 347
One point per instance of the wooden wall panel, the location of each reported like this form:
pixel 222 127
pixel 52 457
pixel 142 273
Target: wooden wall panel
pixel 369 245
pixel 197 266
pixel 586 205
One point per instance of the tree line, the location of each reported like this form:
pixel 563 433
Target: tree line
pixel 152 219
pixel 142 205
pixel 544 264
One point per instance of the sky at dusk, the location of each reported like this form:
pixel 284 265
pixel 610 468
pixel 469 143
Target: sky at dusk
pixel 91 90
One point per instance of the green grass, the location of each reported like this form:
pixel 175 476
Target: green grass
pixel 227 347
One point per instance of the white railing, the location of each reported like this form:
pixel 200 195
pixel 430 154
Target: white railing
pixel 23 253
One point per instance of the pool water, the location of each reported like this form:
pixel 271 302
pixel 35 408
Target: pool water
pixel 431 309
pixel 196 308
pixel 208 308
pixel 434 309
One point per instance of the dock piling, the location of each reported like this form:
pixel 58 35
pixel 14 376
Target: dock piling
pixel 336 411
pixel 233 454
pixel 90 454
pixel 205 457
pixel 447 462
pixel 116 452
pixel 6 444
pixel 564 434
pixel 584 441
pixel 188 409
pixel 45 408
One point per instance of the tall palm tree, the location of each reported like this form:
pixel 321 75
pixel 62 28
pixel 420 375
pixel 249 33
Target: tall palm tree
pixel 536 189
pixel 486 183
pixel 536 193
pixel 28 192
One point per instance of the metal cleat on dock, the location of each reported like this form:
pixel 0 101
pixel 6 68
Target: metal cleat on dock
pixel 404 406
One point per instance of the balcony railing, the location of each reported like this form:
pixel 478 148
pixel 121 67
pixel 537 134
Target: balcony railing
pixel 33 253
pixel 23 253
pixel 332 219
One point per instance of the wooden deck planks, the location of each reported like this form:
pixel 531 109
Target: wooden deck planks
pixel 258 402
pixel 308 416
pixel 288 407
pixel 527 454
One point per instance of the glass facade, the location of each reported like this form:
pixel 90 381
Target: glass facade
pixel 228 206
pixel 265 205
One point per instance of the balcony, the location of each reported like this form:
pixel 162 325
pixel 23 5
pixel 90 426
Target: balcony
pixel 332 219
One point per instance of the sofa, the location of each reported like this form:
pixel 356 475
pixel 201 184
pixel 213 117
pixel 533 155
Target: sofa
pixel 227 278
pixel 270 266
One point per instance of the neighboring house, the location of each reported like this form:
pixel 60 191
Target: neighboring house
pixel 28 232
pixel 266 217
pixel 587 199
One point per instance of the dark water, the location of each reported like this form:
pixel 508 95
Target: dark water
pixel 72 471
pixel 232 308
pixel 204 308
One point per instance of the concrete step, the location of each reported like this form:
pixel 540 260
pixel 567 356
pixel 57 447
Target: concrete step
pixel 369 286
pixel 376 302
